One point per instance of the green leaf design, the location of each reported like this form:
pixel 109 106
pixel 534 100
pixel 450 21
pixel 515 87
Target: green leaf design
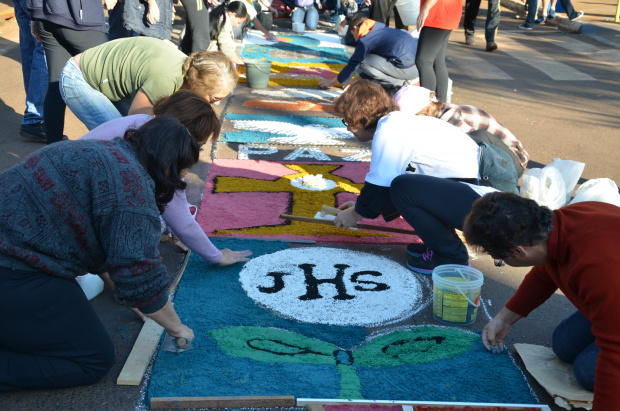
pixel 416 346
pixel 273 345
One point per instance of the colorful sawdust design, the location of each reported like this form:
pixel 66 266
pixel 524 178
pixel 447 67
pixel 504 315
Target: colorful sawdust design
pixel 287 105
pixel 243 349
pixel 249 195
pixel 298 74
pixel 327 55
pixel 295 130
pixel 300 93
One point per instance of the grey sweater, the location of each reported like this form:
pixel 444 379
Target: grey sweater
pixel 85 206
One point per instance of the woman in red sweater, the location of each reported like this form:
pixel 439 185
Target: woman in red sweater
pixel 436 21
pixel 574 249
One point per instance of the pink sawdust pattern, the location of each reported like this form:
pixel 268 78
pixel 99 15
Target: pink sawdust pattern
pixel 246 197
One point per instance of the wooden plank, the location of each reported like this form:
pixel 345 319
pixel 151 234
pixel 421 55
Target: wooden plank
pixel 162 403
pixel 141 354
pixel 362 226
pixel 311 404
pixel 146 343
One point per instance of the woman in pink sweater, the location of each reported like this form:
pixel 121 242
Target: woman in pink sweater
pixel 195 113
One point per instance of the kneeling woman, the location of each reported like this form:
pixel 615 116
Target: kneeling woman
pixel 78 207
pixel 421 168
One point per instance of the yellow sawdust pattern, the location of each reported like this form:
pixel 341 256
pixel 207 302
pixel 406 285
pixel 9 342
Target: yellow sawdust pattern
pixel 280 73
pixel 306 203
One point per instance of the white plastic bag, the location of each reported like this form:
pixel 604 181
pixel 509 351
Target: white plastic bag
pixel 91 284
pixel 599 189
pixel 553 185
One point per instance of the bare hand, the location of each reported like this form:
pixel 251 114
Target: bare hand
pixel 152 16
pixel 367 2
pixel 421 19
pixel 179 243
pixel 325 83
pixel 271 36
pixel 347 218
pixel 35 31
pixel 346 205
pixel 109 4
pixel 183 331
pixel 231 257
pixel 215 2
pixel 494 335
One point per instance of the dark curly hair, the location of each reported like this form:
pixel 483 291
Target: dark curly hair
pixel 500 221
pixel 364 103
pixel 164 147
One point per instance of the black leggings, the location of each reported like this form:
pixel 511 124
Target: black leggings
pixel 197 37
pixel 434 207
pixel 51 336
pixel 431 60
pixel 60 44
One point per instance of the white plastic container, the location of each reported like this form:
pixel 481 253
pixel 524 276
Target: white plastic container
pixel 91 284
pixel 409 11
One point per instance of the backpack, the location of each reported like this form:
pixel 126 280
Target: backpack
pixel 304 3
pixel 497 169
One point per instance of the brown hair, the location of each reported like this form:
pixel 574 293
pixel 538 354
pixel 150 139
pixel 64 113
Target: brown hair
pixel 364 103
pixel 209 72
pixel 433 109
pixel 193 111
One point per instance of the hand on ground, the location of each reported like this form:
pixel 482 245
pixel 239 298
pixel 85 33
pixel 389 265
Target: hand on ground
pixel 325 83
pixel 494 335
pixel 179 243
pixel 271 37
pixel 347 218
pixel 231 257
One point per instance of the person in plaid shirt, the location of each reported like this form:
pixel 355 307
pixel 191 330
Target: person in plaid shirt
pixel 422 101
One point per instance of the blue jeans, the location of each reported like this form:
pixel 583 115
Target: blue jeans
pixel 34 66
pixel 310 14
pixel 573 343
pixel 531 11
pixel 116 29
pixel 92 107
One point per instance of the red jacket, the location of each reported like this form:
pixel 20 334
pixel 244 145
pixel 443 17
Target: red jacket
pixel 583 261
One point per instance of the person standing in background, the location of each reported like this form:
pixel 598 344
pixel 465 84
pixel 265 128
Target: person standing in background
pixel 436 21
pixel 34 71
pixel 490 27
pixel 66 28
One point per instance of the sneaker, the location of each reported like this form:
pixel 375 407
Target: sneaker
pixel 469 39
pixel 416 249
pixel 423 264
pixel 551 14
pixel 542 19
pixel 33 132
pixel 491 46
pixel 578 16
pixel 525 27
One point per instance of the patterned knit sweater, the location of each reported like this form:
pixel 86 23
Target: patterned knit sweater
pixel 85 206
pixel 583 261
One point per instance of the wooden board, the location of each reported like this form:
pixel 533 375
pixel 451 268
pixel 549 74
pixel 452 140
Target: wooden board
pixel 146 344
pixel 161 403
pixel 317 405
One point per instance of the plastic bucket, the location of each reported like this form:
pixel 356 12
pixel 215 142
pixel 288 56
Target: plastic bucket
pixel 257 73
pixel 408 11
pixel 456 294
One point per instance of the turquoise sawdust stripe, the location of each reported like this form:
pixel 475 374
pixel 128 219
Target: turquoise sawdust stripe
pixel 327 55
pixel 248 136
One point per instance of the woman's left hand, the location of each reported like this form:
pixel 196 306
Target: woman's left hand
pixel 152 16
pixel 347 218
pixel 271 37
pixel 231 257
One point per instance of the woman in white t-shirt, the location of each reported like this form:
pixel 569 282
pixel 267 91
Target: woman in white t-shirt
pixel 421 167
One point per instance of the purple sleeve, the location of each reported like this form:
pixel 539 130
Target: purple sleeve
pixel 183 224
pixel 117 127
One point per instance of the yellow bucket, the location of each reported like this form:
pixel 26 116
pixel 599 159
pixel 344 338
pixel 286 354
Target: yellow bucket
pixel 456 294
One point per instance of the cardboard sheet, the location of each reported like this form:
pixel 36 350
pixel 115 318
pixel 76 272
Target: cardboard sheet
pixel 555 376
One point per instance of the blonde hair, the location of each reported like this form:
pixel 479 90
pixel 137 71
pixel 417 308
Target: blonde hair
pixel 209 72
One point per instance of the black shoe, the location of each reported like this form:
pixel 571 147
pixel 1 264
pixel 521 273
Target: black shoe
pixel 424 264
pixel 491 46
pixel 469 39
pixel 33 132
pixel 416 249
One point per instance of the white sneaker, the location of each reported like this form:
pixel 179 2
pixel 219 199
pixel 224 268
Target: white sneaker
pixel 579 15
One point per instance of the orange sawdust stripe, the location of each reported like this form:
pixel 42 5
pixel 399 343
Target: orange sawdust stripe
pixel 289 105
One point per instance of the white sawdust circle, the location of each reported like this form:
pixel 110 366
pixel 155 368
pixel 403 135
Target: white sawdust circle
pixel 329 184
pixel 331 286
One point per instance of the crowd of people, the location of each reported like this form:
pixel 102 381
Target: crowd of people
pixel 96 205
